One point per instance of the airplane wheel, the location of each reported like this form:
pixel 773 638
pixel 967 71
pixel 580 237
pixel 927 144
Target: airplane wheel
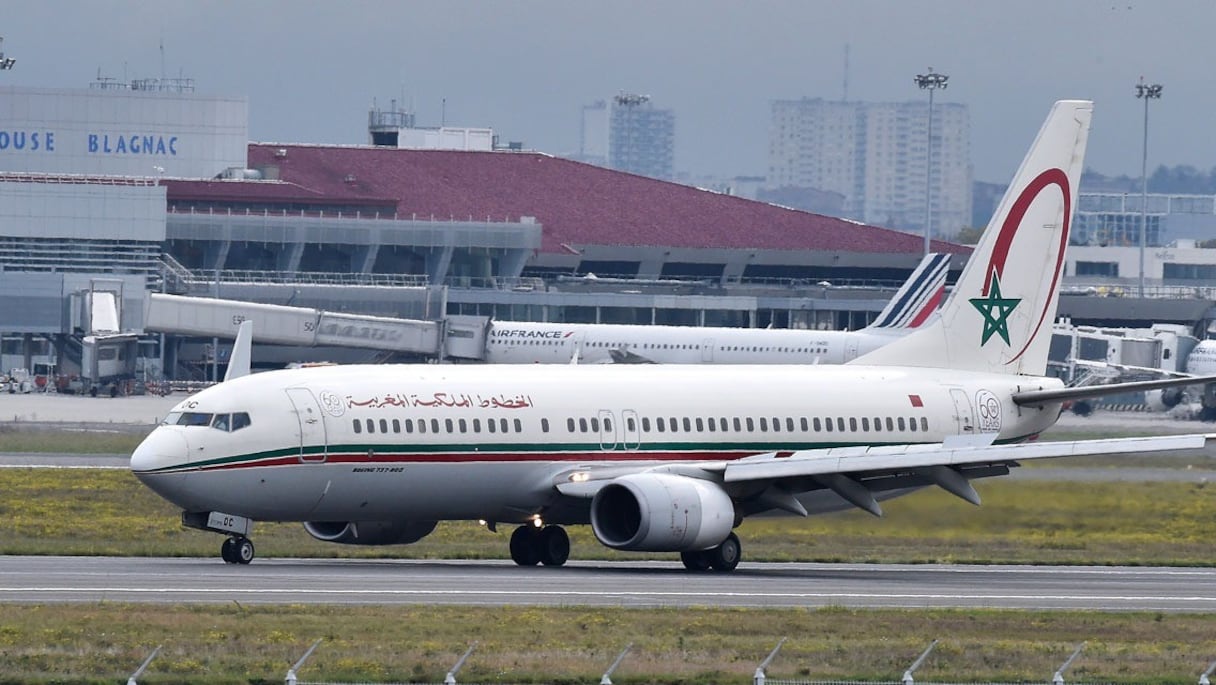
pixel 696 561
pixel 243 550
pixel 228 551
pixel 725 557
pixel 524 550
pixel 553 546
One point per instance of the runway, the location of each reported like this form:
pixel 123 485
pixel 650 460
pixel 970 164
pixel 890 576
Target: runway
pixel 623 584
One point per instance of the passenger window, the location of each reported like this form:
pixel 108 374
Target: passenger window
pixel 490 426
pixel 827 423
pixel 434 425
pixel 853 423
pixel 570 425
pixel 751 425
pixel 763 424
pixel 712 425
pixel 901 423
pixel 924 424
pixel 776 424
pixel 658 424
pixel 738 425
pixel 519 426
pixel 421 425
pixel 595 425
pixel 789 424
pixel 673 424
pixel 544 425
pixel 383 425
pixel 607 424
pixel 582 425
pixel 865 424
pixel 890 424
pixel 447 425
pixel 840 424
pixel 502 426
pixel 687 425
pixel 912 424
pixel 722 425
pixel 630 424
pixel 396 425
pixel 802 422
pixel 816 424
pixel 464 425
pixel 409 425
pixel 476 425
pixel 646 424
pixel 358 426
pixel 371 426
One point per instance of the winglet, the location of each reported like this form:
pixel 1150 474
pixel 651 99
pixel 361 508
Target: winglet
pixel 242 352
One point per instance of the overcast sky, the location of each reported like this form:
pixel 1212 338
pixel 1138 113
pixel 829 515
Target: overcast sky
pixel 312 69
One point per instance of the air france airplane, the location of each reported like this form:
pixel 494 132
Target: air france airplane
pixel 559 343
pixel 655 458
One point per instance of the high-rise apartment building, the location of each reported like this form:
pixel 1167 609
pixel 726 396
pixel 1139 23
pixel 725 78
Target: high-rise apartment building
pixel 630 134
pixel 876 156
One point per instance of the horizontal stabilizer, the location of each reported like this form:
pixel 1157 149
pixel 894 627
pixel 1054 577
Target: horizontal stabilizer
pixel 1034 398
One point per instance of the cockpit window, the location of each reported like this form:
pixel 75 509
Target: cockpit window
pixel 194 418
pixel 230 422
pixel 171 418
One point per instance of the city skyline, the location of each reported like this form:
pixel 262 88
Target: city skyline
pixel 312 71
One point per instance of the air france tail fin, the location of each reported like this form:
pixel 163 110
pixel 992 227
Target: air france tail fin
pixel 999 315
pixel 919 297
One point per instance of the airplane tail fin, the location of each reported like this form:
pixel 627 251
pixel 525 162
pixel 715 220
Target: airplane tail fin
pixel 242 352
pixel 999 315
pixel 919 297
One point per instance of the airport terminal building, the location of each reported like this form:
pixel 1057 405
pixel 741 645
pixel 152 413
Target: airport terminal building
pixel 130 196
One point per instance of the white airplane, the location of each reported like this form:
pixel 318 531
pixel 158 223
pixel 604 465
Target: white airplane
pixel 509 342
pixel 654 458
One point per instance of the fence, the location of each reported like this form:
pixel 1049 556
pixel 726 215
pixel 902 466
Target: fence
pixel 759 678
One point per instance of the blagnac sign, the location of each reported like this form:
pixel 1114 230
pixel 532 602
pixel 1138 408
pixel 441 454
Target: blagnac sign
pixel 143 144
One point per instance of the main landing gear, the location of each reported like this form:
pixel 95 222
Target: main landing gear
pixel 237 549
pixel 531 545
pixel 723 558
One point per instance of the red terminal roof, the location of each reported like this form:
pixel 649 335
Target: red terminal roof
pixel 576 203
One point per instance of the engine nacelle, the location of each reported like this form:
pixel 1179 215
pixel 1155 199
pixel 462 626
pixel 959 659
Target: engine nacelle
pixel 1163 400
pixel 370 532
pixel 659 512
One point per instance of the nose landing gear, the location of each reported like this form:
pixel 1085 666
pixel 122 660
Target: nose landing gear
pixel 237 550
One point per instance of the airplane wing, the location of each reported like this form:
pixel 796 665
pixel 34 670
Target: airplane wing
pixel 857 473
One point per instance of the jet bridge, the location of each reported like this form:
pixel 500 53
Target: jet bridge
pixel 283 325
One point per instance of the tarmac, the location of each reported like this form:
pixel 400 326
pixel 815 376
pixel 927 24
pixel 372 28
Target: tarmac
pixel 47 409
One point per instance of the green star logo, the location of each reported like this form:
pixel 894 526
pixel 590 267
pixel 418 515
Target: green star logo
pixel 995 310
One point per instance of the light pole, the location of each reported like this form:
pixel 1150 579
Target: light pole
pixel 930 82
pixel 1146 92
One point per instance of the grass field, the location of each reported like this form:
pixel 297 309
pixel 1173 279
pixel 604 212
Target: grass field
pixel 49 511
pixel 103 643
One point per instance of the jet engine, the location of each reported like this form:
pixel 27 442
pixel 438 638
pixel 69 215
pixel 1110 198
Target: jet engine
pixel 370 532
pixel 1163 400
pixel 659 512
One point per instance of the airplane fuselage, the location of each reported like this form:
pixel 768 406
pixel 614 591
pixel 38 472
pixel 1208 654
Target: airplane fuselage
pixel 551 343
pixel 401 442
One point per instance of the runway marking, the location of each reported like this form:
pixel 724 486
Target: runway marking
pixel 584 593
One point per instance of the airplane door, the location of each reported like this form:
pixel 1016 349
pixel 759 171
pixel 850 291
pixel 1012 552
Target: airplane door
pixel 312 427
pixel 962 411
pixel 707 350
pixel 607 430
pixel 632 432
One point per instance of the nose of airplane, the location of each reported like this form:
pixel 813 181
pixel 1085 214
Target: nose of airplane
pixel 162 448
